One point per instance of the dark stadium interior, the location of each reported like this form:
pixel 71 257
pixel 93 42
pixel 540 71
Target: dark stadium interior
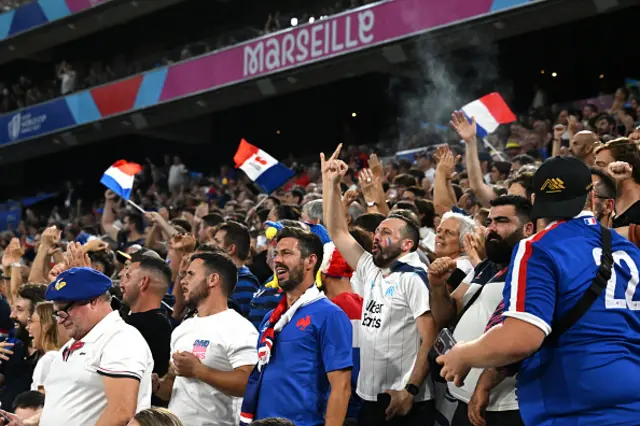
pixel 319 118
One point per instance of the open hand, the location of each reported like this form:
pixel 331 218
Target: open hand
pixel 466 130
pixel 13 253
pixel 76 257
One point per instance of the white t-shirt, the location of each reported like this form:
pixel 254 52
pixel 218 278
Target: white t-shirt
pixel 67 82
pixel 470 327
pixel 176 174
pixel 41 371
pixel 75 387
pixel 389 338
pixel 223 342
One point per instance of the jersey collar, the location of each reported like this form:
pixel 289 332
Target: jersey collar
pixel 105 324
pixel 583 213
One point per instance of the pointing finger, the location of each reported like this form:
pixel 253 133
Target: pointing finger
pixel 336 152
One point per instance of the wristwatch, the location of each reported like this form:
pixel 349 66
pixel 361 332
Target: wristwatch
pixel 412 389
pixel 16 265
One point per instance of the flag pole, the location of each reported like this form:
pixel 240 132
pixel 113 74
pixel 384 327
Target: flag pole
pixel 140 209
pixel 255 208
pixel 492 148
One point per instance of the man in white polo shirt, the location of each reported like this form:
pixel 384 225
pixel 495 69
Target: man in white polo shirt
pixel 397 328
pixel 214 352
pixel 102 376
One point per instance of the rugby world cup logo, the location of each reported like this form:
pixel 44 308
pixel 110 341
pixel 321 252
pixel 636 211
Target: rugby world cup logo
pixel 14 127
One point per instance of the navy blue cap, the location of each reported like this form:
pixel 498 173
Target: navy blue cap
pixel 78 284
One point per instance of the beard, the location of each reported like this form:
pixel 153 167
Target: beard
pixel 499 249
pixel 599 208
pixel 22 334
pixel 197 295
pixel 295 278
pixel 384 256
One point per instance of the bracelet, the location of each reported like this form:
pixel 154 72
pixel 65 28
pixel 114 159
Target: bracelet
pixel 16 265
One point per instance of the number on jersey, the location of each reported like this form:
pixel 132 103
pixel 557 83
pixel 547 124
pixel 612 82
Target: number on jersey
pixel 630 286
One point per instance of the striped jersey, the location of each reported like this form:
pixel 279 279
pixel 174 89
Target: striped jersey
pixel 389 340
pixel 263 301
pixel 592 375
pixel 351 304
pixel 246 286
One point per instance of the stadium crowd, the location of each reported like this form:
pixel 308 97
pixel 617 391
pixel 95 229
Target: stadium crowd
pixel 321 302
pixel 74 74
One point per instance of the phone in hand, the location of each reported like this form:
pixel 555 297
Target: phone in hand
pixel 444 342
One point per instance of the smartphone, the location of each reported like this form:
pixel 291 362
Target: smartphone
pixel 444 342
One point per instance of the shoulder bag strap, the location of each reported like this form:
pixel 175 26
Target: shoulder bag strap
pixel 586 301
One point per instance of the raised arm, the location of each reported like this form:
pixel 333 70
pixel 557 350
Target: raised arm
pixel 333 210
pixel 467 132
pixel 108 215
pixel 443 201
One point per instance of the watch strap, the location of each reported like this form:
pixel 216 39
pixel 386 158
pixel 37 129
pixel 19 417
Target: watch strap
pixel 412 389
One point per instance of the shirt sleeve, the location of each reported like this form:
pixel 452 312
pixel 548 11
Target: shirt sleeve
pixel 416 294
pixel 41 371
pixel 336 341
pixel 242 350
pixel 126 355
pixel 530 288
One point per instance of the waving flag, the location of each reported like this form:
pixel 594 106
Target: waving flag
pixel 262 169
pixel 119 177
pixel 489 111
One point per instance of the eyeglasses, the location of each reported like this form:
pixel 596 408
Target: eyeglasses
pixel 63 314
pixel 602 197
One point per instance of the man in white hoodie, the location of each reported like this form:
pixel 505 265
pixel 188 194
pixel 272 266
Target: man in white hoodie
pixel 397 328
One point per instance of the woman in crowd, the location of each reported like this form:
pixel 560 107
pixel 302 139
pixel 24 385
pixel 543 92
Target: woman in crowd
pixel 48 338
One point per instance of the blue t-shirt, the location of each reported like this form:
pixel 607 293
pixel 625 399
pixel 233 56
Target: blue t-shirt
pixel 316 341
pixel 592 376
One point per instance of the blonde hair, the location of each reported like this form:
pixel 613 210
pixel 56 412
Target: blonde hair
pixel 157 416
pixel 48 328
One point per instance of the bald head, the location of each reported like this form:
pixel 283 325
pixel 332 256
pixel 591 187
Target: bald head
pixel 583 144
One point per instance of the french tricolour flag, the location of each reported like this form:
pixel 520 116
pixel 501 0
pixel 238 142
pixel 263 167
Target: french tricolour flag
pixel 489 111
pixel 261 168
pixel 119 177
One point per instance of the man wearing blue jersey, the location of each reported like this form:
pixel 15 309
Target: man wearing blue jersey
pixel 234 239
pixel 590 374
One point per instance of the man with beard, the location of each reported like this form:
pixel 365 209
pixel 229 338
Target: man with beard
pixel 17 371
pixel 397 328
pixel 571 319
pixel 605 193
pixel 213 352
pixel 144 283
pixel 473 304
pixel 305 355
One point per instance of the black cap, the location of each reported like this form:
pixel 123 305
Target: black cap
pixel 561 186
